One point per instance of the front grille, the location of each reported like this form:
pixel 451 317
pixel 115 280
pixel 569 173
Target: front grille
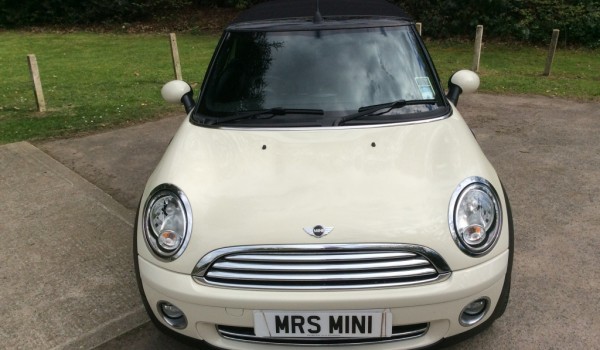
pixel 398 333
pixel 321 267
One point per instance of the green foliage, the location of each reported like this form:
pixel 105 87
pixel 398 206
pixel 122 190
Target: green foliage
pixel 578 21
pixel 39 12
pixel 238 4
pixel 524 20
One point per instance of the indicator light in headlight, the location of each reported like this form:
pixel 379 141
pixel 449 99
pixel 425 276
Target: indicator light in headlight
pixel 169 240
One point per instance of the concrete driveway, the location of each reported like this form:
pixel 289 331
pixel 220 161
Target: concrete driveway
pixel 547 153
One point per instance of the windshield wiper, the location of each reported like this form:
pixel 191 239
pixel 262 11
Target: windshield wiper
pixel 380 109
pixel 264 114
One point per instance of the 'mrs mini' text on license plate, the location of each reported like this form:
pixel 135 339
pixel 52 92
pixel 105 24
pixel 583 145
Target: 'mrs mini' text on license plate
pixel 339 324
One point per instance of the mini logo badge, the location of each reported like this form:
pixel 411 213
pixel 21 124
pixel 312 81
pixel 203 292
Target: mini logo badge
pixel 318 231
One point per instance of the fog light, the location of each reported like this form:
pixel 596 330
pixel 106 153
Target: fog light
pixel 171 311
pixel 474 312
pixel 172 315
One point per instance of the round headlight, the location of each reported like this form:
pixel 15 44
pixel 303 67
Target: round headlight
pixel 475 216
pixel 167 222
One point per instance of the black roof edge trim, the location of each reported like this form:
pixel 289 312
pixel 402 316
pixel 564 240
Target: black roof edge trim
pixel 281 9
pixel 302 24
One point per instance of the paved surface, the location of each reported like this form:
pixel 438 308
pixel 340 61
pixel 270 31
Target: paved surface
pixel 547 152
pixel 119 161
pixel 65 260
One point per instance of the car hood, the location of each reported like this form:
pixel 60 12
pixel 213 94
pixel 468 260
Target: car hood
pixel 386 184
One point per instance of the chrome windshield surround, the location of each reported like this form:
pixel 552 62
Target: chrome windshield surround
pixel 399 333
pixel 479 183
pixel 321 267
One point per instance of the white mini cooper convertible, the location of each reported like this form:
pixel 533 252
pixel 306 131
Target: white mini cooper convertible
pixel 323 191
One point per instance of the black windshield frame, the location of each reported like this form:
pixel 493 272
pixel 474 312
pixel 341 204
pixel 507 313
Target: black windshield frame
pixel 442 108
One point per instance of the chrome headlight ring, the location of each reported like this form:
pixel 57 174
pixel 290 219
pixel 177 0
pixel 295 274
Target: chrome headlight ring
pixel 475 216
pixel 167 222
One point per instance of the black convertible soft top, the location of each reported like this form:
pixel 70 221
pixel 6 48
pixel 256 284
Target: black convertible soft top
pixel 287 9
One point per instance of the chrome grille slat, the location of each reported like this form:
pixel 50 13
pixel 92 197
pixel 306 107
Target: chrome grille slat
pixel 319 256
pixel 301 266
pixel 321 267
pixel 318 276
pixel 324 286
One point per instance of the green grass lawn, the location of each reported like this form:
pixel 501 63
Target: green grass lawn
pixel 91 81
pixel 516 69
pixel 98 81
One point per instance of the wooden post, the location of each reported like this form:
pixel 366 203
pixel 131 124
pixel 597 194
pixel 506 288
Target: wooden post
pixel 175 55
pixel 477 53
pixel 551 52
pixel 37 83
pixel 419 26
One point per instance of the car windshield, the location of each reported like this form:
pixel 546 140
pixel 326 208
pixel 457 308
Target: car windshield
pixel 317 76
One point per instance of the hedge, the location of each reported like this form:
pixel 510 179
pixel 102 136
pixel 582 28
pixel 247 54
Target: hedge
pixel 522 20
pixel 15 13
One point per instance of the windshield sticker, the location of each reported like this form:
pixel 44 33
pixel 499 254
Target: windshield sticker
pixel 425 88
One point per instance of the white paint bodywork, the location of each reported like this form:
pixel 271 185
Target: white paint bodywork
pixel 395 192
pixel 467 80
pixel 438 304
pixel 174 90
pixel 383 184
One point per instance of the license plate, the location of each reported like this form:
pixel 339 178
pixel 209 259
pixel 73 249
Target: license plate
pixel 323 324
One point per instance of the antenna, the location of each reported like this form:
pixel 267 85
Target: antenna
pixel 318 18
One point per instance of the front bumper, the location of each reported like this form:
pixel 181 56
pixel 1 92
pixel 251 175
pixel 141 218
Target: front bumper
pixel 438 304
